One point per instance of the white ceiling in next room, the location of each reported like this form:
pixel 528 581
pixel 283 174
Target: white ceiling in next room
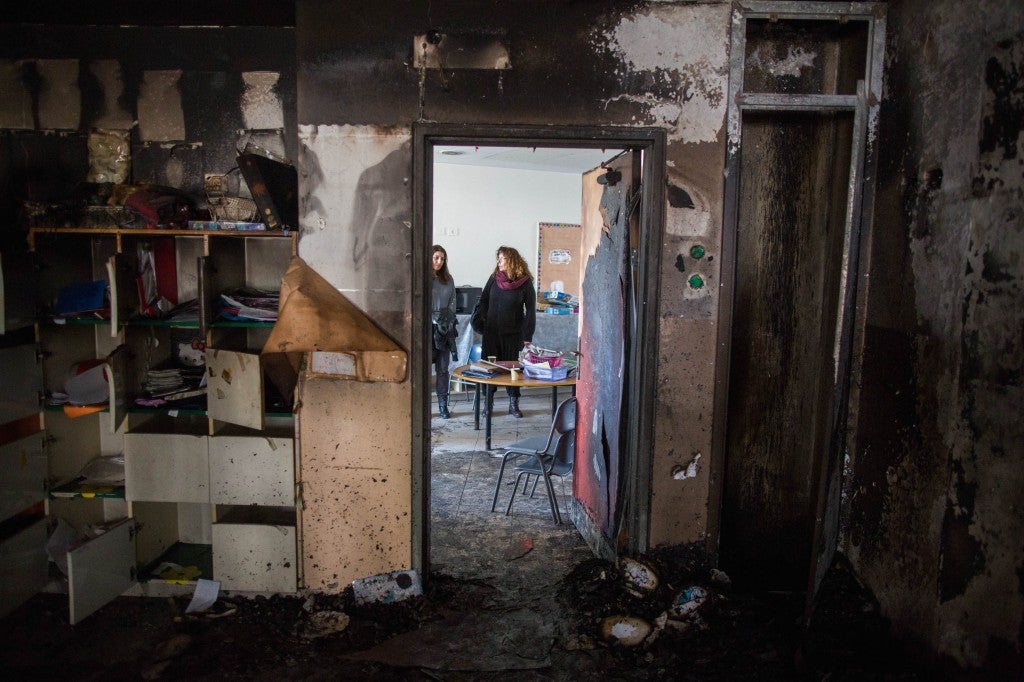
pixel 553 159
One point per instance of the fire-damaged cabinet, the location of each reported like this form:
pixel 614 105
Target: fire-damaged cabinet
pixel 160 455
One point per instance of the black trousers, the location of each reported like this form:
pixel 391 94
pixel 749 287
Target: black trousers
pixel 441 360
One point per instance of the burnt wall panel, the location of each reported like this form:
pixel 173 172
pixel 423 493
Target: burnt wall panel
pixel 621 64
pixel 356 499
pixel 933 504
pixel 555 74
pixel 685 414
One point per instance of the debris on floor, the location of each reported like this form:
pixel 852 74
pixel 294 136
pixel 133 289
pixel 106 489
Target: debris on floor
pixel 518 548
pixel 627 631
pixel 639 577
pixel 465 629
pixel 387 588
pixel 324 624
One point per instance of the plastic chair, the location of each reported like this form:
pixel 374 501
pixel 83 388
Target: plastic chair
pixel 543 457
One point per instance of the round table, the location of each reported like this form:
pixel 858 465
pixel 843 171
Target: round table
pixel 513 378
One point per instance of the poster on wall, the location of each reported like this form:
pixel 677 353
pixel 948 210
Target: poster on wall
pixel 558 259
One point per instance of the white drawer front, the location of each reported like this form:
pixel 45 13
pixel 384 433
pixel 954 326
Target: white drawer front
pixel 161 467
pixel 22 566
pixel 21 382
pixel 23 467
pixel 254 557
pixel 252 470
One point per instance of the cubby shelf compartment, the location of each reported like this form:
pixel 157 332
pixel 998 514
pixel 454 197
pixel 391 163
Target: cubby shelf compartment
pixel 201 493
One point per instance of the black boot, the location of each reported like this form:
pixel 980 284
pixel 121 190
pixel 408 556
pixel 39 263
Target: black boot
pixel 442 407
pixel 513 407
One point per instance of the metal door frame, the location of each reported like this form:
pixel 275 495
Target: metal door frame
pixel 642 385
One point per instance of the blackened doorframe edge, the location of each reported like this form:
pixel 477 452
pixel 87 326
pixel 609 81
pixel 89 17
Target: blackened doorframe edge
pixel 642 384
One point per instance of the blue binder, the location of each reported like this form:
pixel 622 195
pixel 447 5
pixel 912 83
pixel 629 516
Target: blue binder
pixel 82 298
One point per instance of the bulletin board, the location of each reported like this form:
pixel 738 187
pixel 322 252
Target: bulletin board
pixel 558 257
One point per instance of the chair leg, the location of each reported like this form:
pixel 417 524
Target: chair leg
pixel 501 472
pixel 512 497
pixel 534 487
pixel 555 515
pixel 561 481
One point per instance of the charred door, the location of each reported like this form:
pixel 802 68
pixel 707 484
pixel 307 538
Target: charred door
pixel 789 272
pixel 607 330
pixel 799 189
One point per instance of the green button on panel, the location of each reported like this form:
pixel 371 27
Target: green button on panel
pixel 696 281
pixel 697 251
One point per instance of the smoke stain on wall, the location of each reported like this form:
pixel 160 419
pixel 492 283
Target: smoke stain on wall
pixel 675 61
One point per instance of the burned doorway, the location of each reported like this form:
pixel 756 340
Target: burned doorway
pixel 804 85
pixel 639 381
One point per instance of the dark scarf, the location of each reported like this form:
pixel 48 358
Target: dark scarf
pixel 507 284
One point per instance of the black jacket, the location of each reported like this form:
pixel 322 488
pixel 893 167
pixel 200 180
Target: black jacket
pixel 504 312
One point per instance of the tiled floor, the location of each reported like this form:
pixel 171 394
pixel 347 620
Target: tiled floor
pixel 468 540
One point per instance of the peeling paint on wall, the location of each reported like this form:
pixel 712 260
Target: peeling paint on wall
pixel 680 52
pixel 113 116
pixel 261 105
pixel 681 473
pixel 60 102
pixel 1002 122
pixel 16 104
pixel 161 116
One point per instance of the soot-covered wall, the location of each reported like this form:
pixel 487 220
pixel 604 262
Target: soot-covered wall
pixel 935 499
pixel 190 97
pixel 571 64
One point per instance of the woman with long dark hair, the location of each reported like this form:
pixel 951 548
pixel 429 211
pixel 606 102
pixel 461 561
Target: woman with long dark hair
pixel 506 316
pixel 442 306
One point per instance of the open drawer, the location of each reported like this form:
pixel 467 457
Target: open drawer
pixel 101 569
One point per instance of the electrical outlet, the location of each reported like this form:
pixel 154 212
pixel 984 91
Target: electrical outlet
pixel 215 183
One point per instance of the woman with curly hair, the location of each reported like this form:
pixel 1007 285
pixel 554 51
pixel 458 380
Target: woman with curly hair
pixel 506 315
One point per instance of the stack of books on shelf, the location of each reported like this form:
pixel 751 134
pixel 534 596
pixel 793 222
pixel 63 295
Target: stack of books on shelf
pixel 179 386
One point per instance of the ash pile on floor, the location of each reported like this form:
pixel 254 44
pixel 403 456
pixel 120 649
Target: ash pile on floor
pixel 662 616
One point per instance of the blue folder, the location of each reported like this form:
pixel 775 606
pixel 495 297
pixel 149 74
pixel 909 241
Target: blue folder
pixel 82 298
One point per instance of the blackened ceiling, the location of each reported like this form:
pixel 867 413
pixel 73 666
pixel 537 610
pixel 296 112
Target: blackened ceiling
pixel 152 13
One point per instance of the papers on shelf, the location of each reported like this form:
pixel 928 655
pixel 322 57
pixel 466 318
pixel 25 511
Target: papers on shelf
pixel 250 305
pixel 174 385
